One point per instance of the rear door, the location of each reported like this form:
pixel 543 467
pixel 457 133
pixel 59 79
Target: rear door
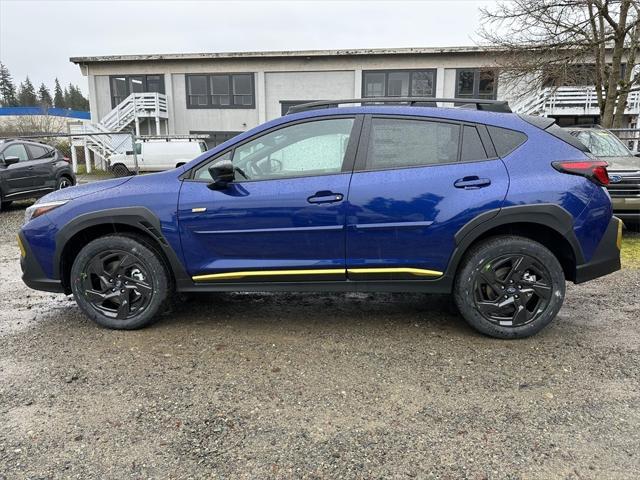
pixel 43 163
pixel 283 218
pixel 416 182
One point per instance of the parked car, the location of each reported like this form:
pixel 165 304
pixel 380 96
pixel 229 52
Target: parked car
pixel 497 208
pixel 156 156
pixel 31 170
pixel 623 167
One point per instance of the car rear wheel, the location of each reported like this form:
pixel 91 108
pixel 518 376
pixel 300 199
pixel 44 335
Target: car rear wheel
pixel 509 287
pixel 64 182
pixel 120 282
pixel 6 204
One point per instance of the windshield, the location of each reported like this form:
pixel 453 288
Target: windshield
pixel 602 143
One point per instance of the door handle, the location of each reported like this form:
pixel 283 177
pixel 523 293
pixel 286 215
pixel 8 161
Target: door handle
pixel 472 183
pixel 325 196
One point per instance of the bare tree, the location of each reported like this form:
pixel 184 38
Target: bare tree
pixel 550 42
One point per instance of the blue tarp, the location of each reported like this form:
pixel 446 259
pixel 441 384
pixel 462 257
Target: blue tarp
pixel 57 112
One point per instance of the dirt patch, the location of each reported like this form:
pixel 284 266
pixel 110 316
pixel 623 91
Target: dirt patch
pixel 316 386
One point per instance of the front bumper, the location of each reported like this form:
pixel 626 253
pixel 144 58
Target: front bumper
pixel 606 258
pixel 32 274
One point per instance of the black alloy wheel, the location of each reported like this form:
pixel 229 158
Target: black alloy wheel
pixel 509 286
pixel 115 284
pixel 512 290
pixel 121 281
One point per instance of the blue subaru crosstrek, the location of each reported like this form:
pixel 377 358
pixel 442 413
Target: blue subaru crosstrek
pixel 497 208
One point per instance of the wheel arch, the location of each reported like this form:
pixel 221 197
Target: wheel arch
pixel 138 221
pixel 548 224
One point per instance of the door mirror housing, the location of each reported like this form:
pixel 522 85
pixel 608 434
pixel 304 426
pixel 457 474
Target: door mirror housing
pixel 10 160
pixel 222 174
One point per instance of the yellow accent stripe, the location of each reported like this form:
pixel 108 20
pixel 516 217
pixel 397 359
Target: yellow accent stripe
pixel 419 272
pixel 266 273
pixel 23 252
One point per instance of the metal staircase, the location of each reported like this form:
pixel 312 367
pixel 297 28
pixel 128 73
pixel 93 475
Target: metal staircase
pixel 113 134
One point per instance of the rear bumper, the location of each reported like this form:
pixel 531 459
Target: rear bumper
pixel 32 274
pixel 606 258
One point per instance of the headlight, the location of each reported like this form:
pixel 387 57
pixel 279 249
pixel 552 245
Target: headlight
pixel 38 209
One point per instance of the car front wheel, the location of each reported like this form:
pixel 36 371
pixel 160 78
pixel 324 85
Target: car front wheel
pixel 509 287
pixel 120 282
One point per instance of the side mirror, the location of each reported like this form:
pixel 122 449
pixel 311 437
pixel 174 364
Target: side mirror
pixel 11 160
pixel 636 154
pixel 129 152
pixel 222 174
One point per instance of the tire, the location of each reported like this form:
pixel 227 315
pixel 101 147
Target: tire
pixel 120 282
pixel 64 182
pixel 6 204
pixel 120 170
pixel 509 287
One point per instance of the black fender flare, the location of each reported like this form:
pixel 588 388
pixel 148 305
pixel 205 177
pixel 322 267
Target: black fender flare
pixel 140 218
pixel 550 215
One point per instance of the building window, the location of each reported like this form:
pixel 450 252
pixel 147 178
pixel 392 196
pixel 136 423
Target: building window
pixel 215 138
pixel 476 83
pixel 399 83
pixel 234 90
pixel 124 85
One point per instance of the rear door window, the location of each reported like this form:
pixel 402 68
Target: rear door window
pixel 472 148
pixel 395 143
pixel 37 151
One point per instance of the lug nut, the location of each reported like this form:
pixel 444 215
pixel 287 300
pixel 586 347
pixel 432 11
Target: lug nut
pixel 122 291
pixel 517 296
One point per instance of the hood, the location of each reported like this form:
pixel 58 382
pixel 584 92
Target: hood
pixel 85 189
pixel 628 162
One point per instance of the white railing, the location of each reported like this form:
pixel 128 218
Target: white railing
pixel 103 138
pixel 567 101
pixel 136 105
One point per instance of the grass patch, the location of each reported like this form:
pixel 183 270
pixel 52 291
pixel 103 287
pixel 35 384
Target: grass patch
pixel 630 253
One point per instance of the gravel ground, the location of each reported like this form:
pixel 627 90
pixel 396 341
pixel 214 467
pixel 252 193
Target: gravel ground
pixel 316 386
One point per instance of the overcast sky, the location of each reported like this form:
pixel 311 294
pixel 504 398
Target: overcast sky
pixel 38 37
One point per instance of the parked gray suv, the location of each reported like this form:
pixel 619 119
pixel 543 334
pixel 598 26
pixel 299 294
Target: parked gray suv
pixel 624 170
pixel 31 170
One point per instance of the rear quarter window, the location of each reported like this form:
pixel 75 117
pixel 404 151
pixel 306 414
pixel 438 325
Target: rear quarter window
pixel 504 140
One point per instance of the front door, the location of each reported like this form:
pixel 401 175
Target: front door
pixel 415 184
pixel 18 178
pixel 283 217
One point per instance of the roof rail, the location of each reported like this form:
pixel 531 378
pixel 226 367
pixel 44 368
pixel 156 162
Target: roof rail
pixel 472 103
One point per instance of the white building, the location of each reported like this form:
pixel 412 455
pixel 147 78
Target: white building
pixel 221 94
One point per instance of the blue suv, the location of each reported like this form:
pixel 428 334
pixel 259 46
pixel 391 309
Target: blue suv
pixel 496 208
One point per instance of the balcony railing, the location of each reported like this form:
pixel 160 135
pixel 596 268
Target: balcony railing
pixel 568 101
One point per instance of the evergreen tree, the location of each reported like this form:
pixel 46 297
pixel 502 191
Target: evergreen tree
pixel 27 94
pixel 74 98
pixel 7 88
pixel 44 97
pixel 58 96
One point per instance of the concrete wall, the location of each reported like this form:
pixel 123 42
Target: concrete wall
pixel 306 86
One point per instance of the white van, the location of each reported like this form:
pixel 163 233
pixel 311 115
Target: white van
pixel 157 155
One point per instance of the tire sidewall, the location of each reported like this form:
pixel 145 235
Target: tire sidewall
pixel 61 179
pixel 155 268
pixel 493 248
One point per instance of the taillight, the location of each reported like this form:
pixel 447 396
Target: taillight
pixel 66 159
pixel 594 170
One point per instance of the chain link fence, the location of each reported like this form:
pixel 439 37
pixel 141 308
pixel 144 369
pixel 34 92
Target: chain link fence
pixel 97 155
